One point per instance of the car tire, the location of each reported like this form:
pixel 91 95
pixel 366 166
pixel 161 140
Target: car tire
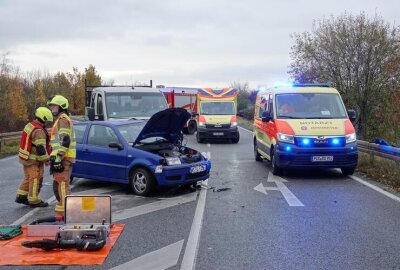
pixel 257 155
pixel 199 140
pixel 192 127
pixel 185 130
pixel 275 169
pixel 348 170
pixel 142 182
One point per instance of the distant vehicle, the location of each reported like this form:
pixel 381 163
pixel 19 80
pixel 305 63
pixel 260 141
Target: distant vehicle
pixel 123 102
pixel 213 111
pixel 304 125
pixel 139 153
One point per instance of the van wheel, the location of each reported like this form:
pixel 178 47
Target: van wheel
pixel 348 171
pixel 142 182
pixel 275 169
pixel 199 140
pixel 192 127
pixel 257 155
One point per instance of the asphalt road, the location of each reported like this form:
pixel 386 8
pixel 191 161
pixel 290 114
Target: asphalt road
pixel 246 219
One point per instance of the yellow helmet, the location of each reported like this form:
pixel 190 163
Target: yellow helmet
pixel 58 100
pixel 44 114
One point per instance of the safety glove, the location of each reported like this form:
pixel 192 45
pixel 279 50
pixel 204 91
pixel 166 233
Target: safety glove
pixel 56 164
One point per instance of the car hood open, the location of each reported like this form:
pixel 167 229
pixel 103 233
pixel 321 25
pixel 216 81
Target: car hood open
pixel 166 124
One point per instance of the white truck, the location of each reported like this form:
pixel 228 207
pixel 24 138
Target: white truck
pixel 107 102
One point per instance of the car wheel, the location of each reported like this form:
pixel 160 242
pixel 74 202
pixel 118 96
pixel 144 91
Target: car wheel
pixel 257 155
pixel 348 171
pixel 185 130
pixel 142 181
pixel 274 166
pixel 192 127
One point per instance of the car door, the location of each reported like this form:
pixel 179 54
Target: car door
pixel 80 135
pixel 102 161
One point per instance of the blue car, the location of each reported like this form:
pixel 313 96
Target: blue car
pixel 140 153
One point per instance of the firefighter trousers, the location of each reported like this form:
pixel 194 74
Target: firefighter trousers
pixel 61 186
pixel 32 183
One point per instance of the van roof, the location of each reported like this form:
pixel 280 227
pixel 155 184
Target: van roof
pixel 293 90
pixel 122 89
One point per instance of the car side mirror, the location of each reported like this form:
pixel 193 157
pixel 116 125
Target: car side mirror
pixel 100 117
pixel 266 116
pixel 352 115
pixel 90 113
pixel 116 145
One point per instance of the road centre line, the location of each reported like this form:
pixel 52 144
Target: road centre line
pixel 376 188
pixel 161 259
pixel 246 129
pixel 192 245
pixel 154 206
pixel 53 198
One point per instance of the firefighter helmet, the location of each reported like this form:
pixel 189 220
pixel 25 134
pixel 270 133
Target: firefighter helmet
pixel 58 100
pixel 44 114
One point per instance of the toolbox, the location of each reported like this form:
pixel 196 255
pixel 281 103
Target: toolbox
pixel 82 213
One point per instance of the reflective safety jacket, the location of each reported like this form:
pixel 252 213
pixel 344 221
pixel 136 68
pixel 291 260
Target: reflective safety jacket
pixel 26 151
pixel 63 127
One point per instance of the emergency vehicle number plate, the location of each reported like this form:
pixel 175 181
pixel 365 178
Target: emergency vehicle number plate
pixel 322 158
pixel 197 169
pixel 218 134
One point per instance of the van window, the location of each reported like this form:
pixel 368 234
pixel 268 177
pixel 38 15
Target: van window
pixel 263 106
pixel 310 106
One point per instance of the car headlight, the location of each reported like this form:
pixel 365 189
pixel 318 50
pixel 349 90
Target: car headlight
pixel 173 161
pixel 233 124
pixel 285 138
pixel 202 124
pixel 351 138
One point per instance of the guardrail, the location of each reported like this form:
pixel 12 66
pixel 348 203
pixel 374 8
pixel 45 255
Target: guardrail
pixel 385 151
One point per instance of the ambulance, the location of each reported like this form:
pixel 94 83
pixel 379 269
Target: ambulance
pixel 304 126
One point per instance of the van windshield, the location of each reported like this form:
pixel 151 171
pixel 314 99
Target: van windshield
pixel 310 106
pixel 217 108
pixel 135 104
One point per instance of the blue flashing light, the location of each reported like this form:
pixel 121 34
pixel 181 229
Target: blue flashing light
pixel 288 148
pixel 335 141
pixel 305 141
pixel 283 84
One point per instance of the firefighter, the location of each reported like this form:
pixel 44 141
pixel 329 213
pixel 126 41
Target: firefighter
pixel 63 152
pixel 33 154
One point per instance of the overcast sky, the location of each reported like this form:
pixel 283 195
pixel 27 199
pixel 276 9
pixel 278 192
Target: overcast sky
pixel 205 43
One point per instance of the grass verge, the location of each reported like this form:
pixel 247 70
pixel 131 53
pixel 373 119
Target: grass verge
pixel 9 148
pixel 376 168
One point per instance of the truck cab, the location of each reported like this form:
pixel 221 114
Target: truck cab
pixel 304 126
pixel 123 103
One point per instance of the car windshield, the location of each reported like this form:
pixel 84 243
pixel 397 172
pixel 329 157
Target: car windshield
pixel 131 131
pixel 217 108
pixel 310 106
pixel 135 104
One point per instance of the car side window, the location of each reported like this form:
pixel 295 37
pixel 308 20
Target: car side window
pixel 79 132
pixel 102 136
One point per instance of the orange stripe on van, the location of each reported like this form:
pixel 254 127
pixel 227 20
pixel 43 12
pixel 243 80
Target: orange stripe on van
pixel 348 127
pixel 284 127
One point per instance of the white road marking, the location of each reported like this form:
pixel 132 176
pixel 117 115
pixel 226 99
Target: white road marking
pixel 154 206
pixel 161 259
pixel 246 129
pixel 8 158
pixel 387 194
pixel 52 199
pixel 290 198
pixel 192 245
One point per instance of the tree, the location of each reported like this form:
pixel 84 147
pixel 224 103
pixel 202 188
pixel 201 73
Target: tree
pixel 352 52
pixel 92 78
pixel 245 107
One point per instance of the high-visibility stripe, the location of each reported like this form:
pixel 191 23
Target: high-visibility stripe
pixel 43 157
pixel 22 192
pixel 39 142
pixel 57 147
pixel 33 197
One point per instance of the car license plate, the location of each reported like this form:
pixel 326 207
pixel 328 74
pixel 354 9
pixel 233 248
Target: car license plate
pixel 322 158
pixel 197 169
pixel 218 134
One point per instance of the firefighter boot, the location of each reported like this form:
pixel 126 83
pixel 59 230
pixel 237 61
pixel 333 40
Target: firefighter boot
pixel 22 199
pixel 41 204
